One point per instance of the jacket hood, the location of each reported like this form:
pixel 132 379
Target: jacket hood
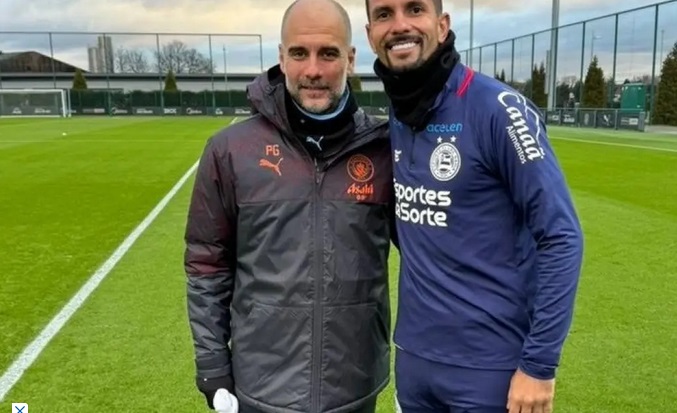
pixel 266 94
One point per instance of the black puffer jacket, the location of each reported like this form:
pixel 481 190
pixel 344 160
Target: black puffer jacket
pixel 287 260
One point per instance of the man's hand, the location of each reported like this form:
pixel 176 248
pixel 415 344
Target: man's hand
pixel 225 402
pixel 530 395
pixel 219 390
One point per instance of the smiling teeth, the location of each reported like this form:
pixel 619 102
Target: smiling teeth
pixel 403 46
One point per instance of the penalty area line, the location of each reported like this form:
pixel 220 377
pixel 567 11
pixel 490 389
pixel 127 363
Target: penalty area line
pixel 33 350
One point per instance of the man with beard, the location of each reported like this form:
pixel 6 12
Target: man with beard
pixel 490 241
pixel 288 237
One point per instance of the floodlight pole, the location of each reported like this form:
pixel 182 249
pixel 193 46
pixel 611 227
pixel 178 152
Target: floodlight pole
pixel 551 85
pixel 660 61
pixel 225 69
pixel 592 45
pixel 472 31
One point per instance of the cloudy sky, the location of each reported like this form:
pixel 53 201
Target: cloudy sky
pixel 495 20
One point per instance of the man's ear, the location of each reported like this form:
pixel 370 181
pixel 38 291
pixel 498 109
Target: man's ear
pixel 367 28
pixel 351 60
pixel 444 24
pixel 280 56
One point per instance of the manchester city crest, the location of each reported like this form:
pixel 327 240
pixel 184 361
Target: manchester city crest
pixel 445 161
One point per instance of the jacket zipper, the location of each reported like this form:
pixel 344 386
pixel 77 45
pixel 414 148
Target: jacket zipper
pixel 412 158
pixel 317 343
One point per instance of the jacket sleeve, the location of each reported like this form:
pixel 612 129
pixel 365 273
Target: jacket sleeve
pixel 527 165
pixel 392 221
pixel 392 203
pixel 209 263
pixel 252 106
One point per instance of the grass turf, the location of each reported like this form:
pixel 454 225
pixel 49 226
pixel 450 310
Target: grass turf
pixel 68 201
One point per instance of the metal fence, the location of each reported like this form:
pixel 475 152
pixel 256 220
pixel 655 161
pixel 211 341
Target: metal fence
pixel 630 47
pixel 102 101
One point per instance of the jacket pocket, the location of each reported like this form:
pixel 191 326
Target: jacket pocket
pixel 271 355
pixel 356 353
pixel 357 241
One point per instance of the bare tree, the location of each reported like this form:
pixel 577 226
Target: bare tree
pixel 179 58
pixel 131 61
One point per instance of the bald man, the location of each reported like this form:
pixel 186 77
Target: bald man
pixel 288 236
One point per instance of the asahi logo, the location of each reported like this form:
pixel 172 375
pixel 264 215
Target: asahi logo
pixel 525 128
pixel 361 192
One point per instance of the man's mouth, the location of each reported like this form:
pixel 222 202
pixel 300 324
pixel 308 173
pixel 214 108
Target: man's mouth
pixel 314 91
pixel 403 44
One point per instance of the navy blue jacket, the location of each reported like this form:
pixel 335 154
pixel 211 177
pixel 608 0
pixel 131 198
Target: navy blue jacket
pixel 490 242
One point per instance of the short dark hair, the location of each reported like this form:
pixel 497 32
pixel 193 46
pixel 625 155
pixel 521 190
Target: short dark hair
pixel 436 3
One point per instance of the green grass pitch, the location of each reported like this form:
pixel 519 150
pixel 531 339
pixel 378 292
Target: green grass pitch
pixel 67 202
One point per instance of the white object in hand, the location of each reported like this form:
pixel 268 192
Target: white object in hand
pixel 225 402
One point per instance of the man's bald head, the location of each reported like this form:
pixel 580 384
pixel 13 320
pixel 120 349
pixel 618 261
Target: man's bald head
pixel 316 53
pixel 306 7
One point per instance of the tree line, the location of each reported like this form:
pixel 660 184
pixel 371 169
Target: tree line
pixel 175 56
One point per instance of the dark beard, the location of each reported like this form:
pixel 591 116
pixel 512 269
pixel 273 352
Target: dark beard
pixel 412 91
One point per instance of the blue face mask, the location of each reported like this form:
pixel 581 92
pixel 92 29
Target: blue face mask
pixel 327 116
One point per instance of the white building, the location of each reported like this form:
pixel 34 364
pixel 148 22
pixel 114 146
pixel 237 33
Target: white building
pixel 101 56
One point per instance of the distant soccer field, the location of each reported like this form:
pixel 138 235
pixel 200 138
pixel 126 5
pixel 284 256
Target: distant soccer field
pixel 68 201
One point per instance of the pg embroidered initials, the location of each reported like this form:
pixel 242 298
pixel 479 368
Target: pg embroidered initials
pixel 272 150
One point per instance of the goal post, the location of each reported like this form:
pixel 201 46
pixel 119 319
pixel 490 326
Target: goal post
pixel 34 103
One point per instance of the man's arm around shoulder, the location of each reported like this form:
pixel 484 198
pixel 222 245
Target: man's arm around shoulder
pixel 209 266
pixel 384 134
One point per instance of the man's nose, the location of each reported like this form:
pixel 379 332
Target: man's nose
pixel 401 23
pixel 313 69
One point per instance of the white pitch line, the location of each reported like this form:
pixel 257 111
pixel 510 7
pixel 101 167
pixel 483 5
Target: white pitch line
pixel 625 145
pixel 33 350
